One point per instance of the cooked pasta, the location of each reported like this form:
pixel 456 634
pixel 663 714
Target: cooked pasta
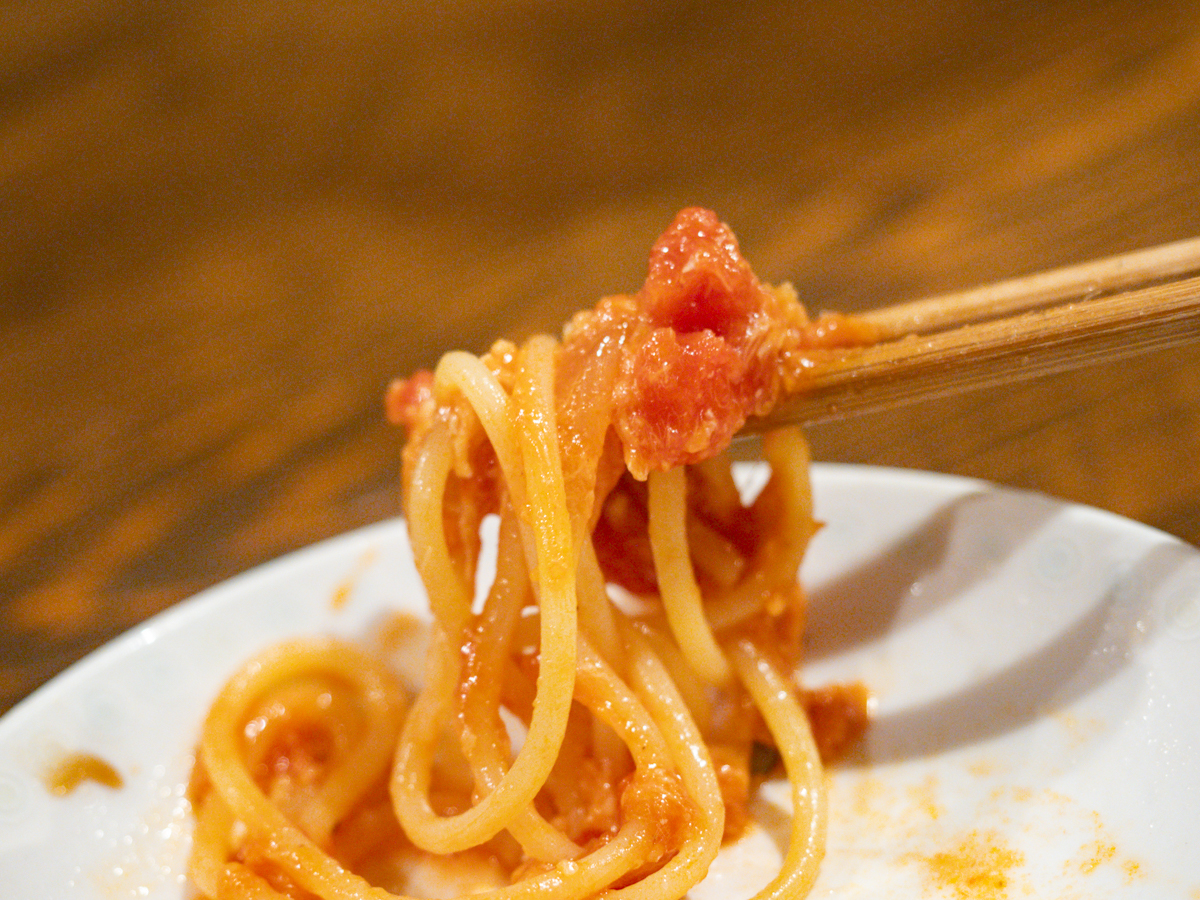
pixel 596 723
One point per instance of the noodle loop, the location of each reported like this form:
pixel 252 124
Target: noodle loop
pixel 586 728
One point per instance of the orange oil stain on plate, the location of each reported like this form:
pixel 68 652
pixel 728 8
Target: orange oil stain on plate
pixel 924 797
pixel 983 768
pixel 341 593
pixel 979 866
pixel 1095 855
pixel 1132 869
pixel 74 769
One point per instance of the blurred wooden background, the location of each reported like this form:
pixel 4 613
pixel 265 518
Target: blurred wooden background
pixel 224 226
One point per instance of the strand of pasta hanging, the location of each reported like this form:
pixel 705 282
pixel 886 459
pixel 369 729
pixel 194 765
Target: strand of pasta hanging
pixel 593 723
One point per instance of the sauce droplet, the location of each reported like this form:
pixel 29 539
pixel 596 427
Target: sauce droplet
pixel 75 768
pixel 978 868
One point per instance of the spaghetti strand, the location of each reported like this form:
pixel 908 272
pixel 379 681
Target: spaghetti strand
pixel 585 723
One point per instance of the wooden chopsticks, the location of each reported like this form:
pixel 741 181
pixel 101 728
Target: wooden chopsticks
pixel 1009 331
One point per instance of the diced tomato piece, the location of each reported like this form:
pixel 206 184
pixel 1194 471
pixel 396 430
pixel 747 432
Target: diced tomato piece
pixel 698 280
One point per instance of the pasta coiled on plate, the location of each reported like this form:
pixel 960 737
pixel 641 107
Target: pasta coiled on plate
pixel 589 726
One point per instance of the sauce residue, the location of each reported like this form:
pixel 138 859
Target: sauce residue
pixel 1098 852
pixel 341 593
pixel 924 796
pixel 979 867
pixel 75 768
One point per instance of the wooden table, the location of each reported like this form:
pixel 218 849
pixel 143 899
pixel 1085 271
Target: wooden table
pixel 225 226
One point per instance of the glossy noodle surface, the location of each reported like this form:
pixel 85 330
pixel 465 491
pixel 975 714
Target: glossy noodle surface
pixel 597 723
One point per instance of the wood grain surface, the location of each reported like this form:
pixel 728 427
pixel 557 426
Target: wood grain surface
pixel 224 226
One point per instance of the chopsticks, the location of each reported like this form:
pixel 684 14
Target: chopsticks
pixel 1010 331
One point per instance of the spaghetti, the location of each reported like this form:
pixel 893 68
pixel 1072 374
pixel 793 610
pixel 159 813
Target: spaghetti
pixel 594 725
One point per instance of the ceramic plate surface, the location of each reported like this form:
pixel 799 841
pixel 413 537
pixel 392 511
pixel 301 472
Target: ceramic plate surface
pixel 1035 667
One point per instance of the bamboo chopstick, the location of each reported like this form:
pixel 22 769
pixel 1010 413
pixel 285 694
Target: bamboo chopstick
pixel 1013 330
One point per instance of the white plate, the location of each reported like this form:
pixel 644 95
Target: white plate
pixel 1037 669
